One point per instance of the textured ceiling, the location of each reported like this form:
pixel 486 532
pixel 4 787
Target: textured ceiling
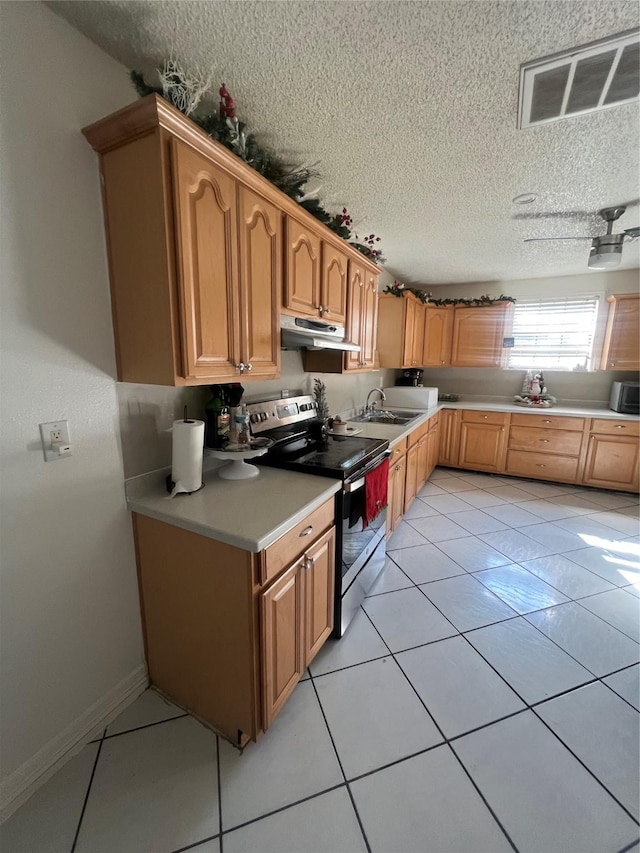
pixel 411 109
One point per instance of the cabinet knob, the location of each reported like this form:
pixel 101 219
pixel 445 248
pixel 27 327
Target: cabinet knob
pixel 620 426
pixel 485 417
pixel 546 421
pixel 613 364
pixel 306 531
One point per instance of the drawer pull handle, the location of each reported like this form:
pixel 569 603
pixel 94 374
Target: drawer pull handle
pixel 485 417
pixel 306 531
pixel 546 422
pixel 540 465
pixel 544 440
pixel 619 426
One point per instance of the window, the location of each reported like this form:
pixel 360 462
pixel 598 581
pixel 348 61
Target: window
pixel 554 334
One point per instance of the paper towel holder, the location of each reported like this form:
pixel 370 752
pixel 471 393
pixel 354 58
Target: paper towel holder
pixel 171 485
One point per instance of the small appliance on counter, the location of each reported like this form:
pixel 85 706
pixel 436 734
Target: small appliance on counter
pixel 412 376
pixel 625 398
pixel 410 397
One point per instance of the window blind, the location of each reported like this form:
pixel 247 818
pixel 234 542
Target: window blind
pixel 554 334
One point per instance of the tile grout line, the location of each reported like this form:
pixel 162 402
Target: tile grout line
pixel 86 796
pixel 528 707
pixel 591 772
pixel 140 728
pixel 442 734
pixel 219 772
pixel 344 775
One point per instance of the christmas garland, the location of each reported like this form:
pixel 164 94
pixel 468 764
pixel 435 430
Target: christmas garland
pixel 222 125
pixel 399 289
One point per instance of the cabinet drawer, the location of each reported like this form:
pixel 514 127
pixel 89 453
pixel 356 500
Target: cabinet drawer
pixel 548 422
pixel 545 440
pixel 470 416
pixel 606 426
pixel 399 450
pixel 418 433
pixel 524 464
pixel 294 542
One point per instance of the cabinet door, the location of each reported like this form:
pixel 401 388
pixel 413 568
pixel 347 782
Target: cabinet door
pixel 411 306
pixel 260 284
pixel 424 445
pixel 369 320
pixel 302 270
pixel 612 462
pixel 320 570
pixel 282 611
pixel 449 437
pixel 207 246
pixel 355 306
pixel 411 476
pixel 478 335
pixel 622 339
pixel 334 284
pixel 434 447
pixel 482 446
pixel 398 492
pixel 438 331
pixel 418 335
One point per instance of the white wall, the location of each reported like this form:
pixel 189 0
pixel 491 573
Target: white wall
pixel 70 626
pixel 592 386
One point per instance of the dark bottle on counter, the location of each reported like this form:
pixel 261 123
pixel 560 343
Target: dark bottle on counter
pixel 218 418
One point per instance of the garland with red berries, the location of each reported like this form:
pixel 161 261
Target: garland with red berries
pixel 185 93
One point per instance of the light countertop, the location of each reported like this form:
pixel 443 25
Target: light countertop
pixel 395 434
pixel 249 514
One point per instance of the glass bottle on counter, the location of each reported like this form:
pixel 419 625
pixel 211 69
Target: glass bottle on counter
pixel 217 418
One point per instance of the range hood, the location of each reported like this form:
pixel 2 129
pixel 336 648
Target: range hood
pixel 306 333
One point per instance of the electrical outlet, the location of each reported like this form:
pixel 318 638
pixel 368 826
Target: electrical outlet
pixel 56 441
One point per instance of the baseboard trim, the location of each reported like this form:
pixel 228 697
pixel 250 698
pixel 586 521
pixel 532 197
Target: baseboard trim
pixel 26 779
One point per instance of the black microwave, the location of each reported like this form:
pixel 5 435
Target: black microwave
pixel 624 398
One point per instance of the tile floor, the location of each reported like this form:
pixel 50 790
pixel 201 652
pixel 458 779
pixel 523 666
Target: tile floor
pixel 486 698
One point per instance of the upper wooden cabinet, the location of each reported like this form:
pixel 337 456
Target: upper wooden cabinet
pixel 400 330
pixel 622 339
pixel 478 335
pixel 361 327
pixel 198 249
pixel 303 270
pixel 438 331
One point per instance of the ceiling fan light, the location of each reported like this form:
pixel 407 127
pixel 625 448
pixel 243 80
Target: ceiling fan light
pixel 606 252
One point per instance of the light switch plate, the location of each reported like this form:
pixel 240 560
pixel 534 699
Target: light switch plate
pixel 56 441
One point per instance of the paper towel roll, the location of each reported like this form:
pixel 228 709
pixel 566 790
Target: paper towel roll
pixel 186 455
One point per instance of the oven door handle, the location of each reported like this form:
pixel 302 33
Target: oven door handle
pixel 359 483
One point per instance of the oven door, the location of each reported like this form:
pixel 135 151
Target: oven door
pixel 361 549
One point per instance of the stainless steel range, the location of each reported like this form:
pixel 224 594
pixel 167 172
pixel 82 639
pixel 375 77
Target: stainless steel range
pixel 300 445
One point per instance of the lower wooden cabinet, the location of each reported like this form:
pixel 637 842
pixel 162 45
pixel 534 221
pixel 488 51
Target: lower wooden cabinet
pixel 297 617
pixel 395 490
pixel 449 437
pixel 483 441
pixel 411 476
pixel 220 639
pixel 612 461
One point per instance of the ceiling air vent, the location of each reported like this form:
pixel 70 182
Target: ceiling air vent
pixel 594 77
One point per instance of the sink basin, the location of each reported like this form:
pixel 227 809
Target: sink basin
pixel 387 416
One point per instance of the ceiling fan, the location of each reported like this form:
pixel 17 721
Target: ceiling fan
pixel 606 249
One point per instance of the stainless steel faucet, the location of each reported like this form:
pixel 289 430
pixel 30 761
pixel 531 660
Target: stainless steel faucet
pixel 370 407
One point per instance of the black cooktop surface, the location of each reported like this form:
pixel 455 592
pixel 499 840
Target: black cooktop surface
pixel 336 456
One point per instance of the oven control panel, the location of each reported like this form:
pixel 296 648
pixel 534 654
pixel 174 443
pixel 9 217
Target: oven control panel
pixel 277 413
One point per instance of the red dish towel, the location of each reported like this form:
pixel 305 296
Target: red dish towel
pixel 375 492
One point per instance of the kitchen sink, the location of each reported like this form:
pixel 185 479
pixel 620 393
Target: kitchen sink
pixel 387 416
